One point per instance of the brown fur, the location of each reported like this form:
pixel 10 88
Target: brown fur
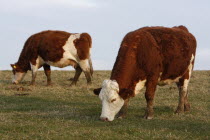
pixel 83 45
pixel 49 46
pixel 154 54
pixel 146 52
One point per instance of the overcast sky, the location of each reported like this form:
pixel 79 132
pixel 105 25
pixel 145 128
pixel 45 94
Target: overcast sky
pixel 107 21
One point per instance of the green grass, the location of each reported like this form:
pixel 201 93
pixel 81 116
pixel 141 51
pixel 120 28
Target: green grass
pixel 63 112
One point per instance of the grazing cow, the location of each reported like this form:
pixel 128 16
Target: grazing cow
pixel 54 48
pixel 148 57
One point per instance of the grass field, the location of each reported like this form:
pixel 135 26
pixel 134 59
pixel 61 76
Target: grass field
pixel 63 112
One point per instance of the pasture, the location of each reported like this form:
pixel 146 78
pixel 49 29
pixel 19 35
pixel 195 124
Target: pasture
pixel 63 112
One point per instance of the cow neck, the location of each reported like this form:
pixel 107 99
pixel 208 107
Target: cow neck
pixel 23 61
pixel 125 73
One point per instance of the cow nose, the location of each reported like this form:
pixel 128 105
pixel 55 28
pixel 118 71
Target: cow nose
pixel 104 118
pixel 14 83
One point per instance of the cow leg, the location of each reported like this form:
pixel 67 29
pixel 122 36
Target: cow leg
pixel 76 76
pixel 34 69
pixel 183 96
pixel 88 77
pixel 123 111
pixel 186 103
pixel 149 95
pixel 47 72
pixel 87 69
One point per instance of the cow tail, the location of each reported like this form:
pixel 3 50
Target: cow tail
pixel 90 46
pixel 91 66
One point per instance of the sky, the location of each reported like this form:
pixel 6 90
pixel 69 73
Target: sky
pixel 107 21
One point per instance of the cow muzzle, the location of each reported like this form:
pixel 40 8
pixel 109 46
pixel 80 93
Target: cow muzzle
pixel 14 82
pixel 104 119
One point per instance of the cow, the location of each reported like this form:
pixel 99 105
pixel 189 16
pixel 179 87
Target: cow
pixel 54 48
pixel 148 57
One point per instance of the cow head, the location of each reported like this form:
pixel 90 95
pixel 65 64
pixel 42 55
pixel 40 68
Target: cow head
pixel 18 74
pixel 111 101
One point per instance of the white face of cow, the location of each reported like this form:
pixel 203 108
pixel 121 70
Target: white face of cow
pixel 18 77
pixel 111 101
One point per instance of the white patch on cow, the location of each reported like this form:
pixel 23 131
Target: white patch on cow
pixel 39 63
pixel 111 101
pixel 167 81
pixel 18 77
pixel 190 67
pixel 160 76
pixel 70 53
pixel 139 86
pixel 186 81
pixel 90 50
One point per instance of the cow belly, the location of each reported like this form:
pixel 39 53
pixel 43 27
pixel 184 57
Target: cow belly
pixel 169 81
pixel 63 63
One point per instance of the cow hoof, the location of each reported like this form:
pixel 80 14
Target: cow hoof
pixel 121 116
pixel 89 84
pixel 14 83
pixel 148 117
pixel 72 84
pixel 49 84
pixel 71 79
pixel 187 107
pixel 31 84
pixel 179 111
pixel 149 113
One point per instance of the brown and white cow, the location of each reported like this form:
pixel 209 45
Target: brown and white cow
pixel 148 57
pixel 54 48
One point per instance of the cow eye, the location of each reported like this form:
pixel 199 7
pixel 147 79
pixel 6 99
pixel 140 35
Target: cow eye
pixel 113 100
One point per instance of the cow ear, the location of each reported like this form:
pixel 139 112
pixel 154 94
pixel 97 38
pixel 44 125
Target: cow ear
pixel 126 93
pixel 97 91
